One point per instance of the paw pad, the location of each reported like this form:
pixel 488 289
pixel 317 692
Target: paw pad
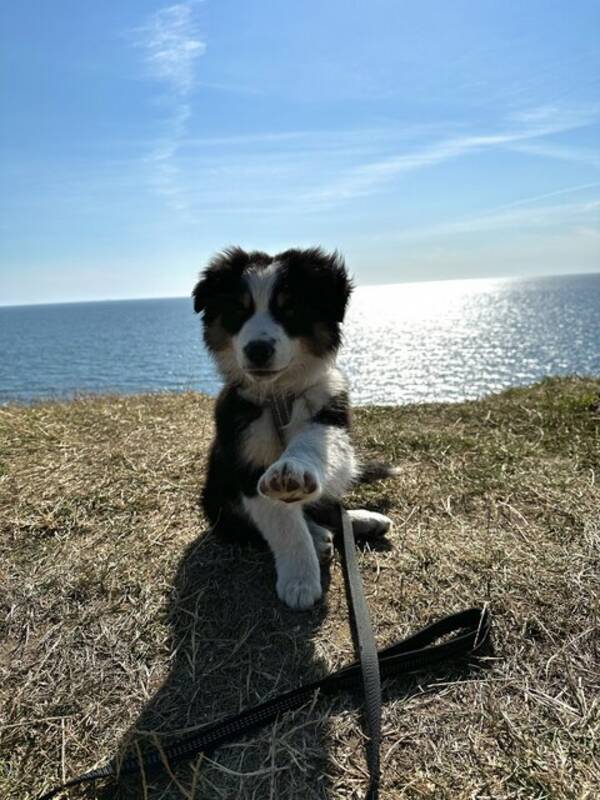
pixel 288 481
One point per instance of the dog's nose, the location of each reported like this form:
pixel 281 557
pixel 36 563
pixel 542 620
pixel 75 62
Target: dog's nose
pixel 259 352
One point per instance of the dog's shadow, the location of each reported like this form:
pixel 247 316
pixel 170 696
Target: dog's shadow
pixel 234 645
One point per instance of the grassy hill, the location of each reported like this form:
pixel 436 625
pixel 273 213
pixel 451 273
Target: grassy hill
pixel 122 619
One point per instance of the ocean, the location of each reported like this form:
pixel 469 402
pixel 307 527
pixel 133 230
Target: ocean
pixel 404 343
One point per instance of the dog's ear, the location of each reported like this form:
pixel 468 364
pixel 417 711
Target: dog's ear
pixel 325 274
pixel 200 294
pixel 221 270
pixel 337 286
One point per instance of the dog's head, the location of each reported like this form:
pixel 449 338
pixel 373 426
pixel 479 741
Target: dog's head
pixel 272 319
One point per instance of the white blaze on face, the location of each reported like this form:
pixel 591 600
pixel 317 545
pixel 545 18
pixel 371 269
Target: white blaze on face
pixel 261 326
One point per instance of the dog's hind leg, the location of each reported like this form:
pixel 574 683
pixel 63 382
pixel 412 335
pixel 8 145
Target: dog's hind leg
pixel 323 540
pixel 367 524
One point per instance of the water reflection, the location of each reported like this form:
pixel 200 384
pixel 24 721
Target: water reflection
pixel 454 340
pixel 440 341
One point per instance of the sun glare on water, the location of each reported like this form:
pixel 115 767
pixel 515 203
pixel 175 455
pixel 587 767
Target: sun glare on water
pixel 410 341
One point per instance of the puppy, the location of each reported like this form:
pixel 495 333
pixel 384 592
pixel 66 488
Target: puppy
pixel 272 325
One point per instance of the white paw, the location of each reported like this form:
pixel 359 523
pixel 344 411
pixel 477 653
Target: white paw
pixel 299 579
pixel 323 541
pixel 299 592
pixel 369 523
pixel 290 481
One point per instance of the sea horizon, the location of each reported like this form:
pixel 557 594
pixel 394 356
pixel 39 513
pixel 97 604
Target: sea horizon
pixel 417 341
pixel 506 278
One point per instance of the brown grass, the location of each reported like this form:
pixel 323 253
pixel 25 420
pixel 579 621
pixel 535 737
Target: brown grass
pixel 119 613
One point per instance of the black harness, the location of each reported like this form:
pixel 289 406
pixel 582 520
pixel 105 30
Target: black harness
pixel 466 634
pixel 281 408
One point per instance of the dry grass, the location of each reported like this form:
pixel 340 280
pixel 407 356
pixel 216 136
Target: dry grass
pixel 120 614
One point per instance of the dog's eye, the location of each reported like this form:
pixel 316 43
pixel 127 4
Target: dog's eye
pixel 284 308
pixel 233 302
pixel 233 310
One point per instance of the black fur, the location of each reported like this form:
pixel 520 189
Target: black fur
pixel 316 289
pixel 228 475
pixel 222 278
pixel 222 296
pixel 309 300
pixel 336 412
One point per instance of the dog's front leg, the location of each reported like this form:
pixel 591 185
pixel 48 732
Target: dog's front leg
pixel 287 534
pixel 318 460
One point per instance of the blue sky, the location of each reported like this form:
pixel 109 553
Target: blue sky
pixel 426 140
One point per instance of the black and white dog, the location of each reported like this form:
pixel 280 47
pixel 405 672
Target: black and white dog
pixel 272 324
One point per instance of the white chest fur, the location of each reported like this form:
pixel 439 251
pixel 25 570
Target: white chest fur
pixel 261 445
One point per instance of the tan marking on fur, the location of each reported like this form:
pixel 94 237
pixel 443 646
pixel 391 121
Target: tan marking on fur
pixel 260 443
pixel 320 341
pixel 216 337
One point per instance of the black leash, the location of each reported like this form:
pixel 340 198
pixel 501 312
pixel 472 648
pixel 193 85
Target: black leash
pixel 469 636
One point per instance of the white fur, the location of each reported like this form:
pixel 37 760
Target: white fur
pixel 260 444
pixel 369 523
pixel 262 326
pixel 296 368
pixel 296 561
pixel 323 541
pixel 260 282
pixel 317 459
pixel 326 453
pixel 313 460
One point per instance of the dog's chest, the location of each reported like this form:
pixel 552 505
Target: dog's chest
pixel 261 444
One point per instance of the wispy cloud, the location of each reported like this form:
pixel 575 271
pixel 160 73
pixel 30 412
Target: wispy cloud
pixel 309 171
pixel 172 46
pixel 527 125
pixel 576 155
pixel 537 217
pixel 582 187
pixel 517 215
pixel 322 139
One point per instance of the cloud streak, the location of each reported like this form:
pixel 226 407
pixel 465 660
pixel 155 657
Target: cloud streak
pixel 515 216
pixel 306 172
pixel 582 187
pixel 575 155
pixel 530 125
pixel 172 46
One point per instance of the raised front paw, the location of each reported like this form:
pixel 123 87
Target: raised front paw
pixel 290 481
